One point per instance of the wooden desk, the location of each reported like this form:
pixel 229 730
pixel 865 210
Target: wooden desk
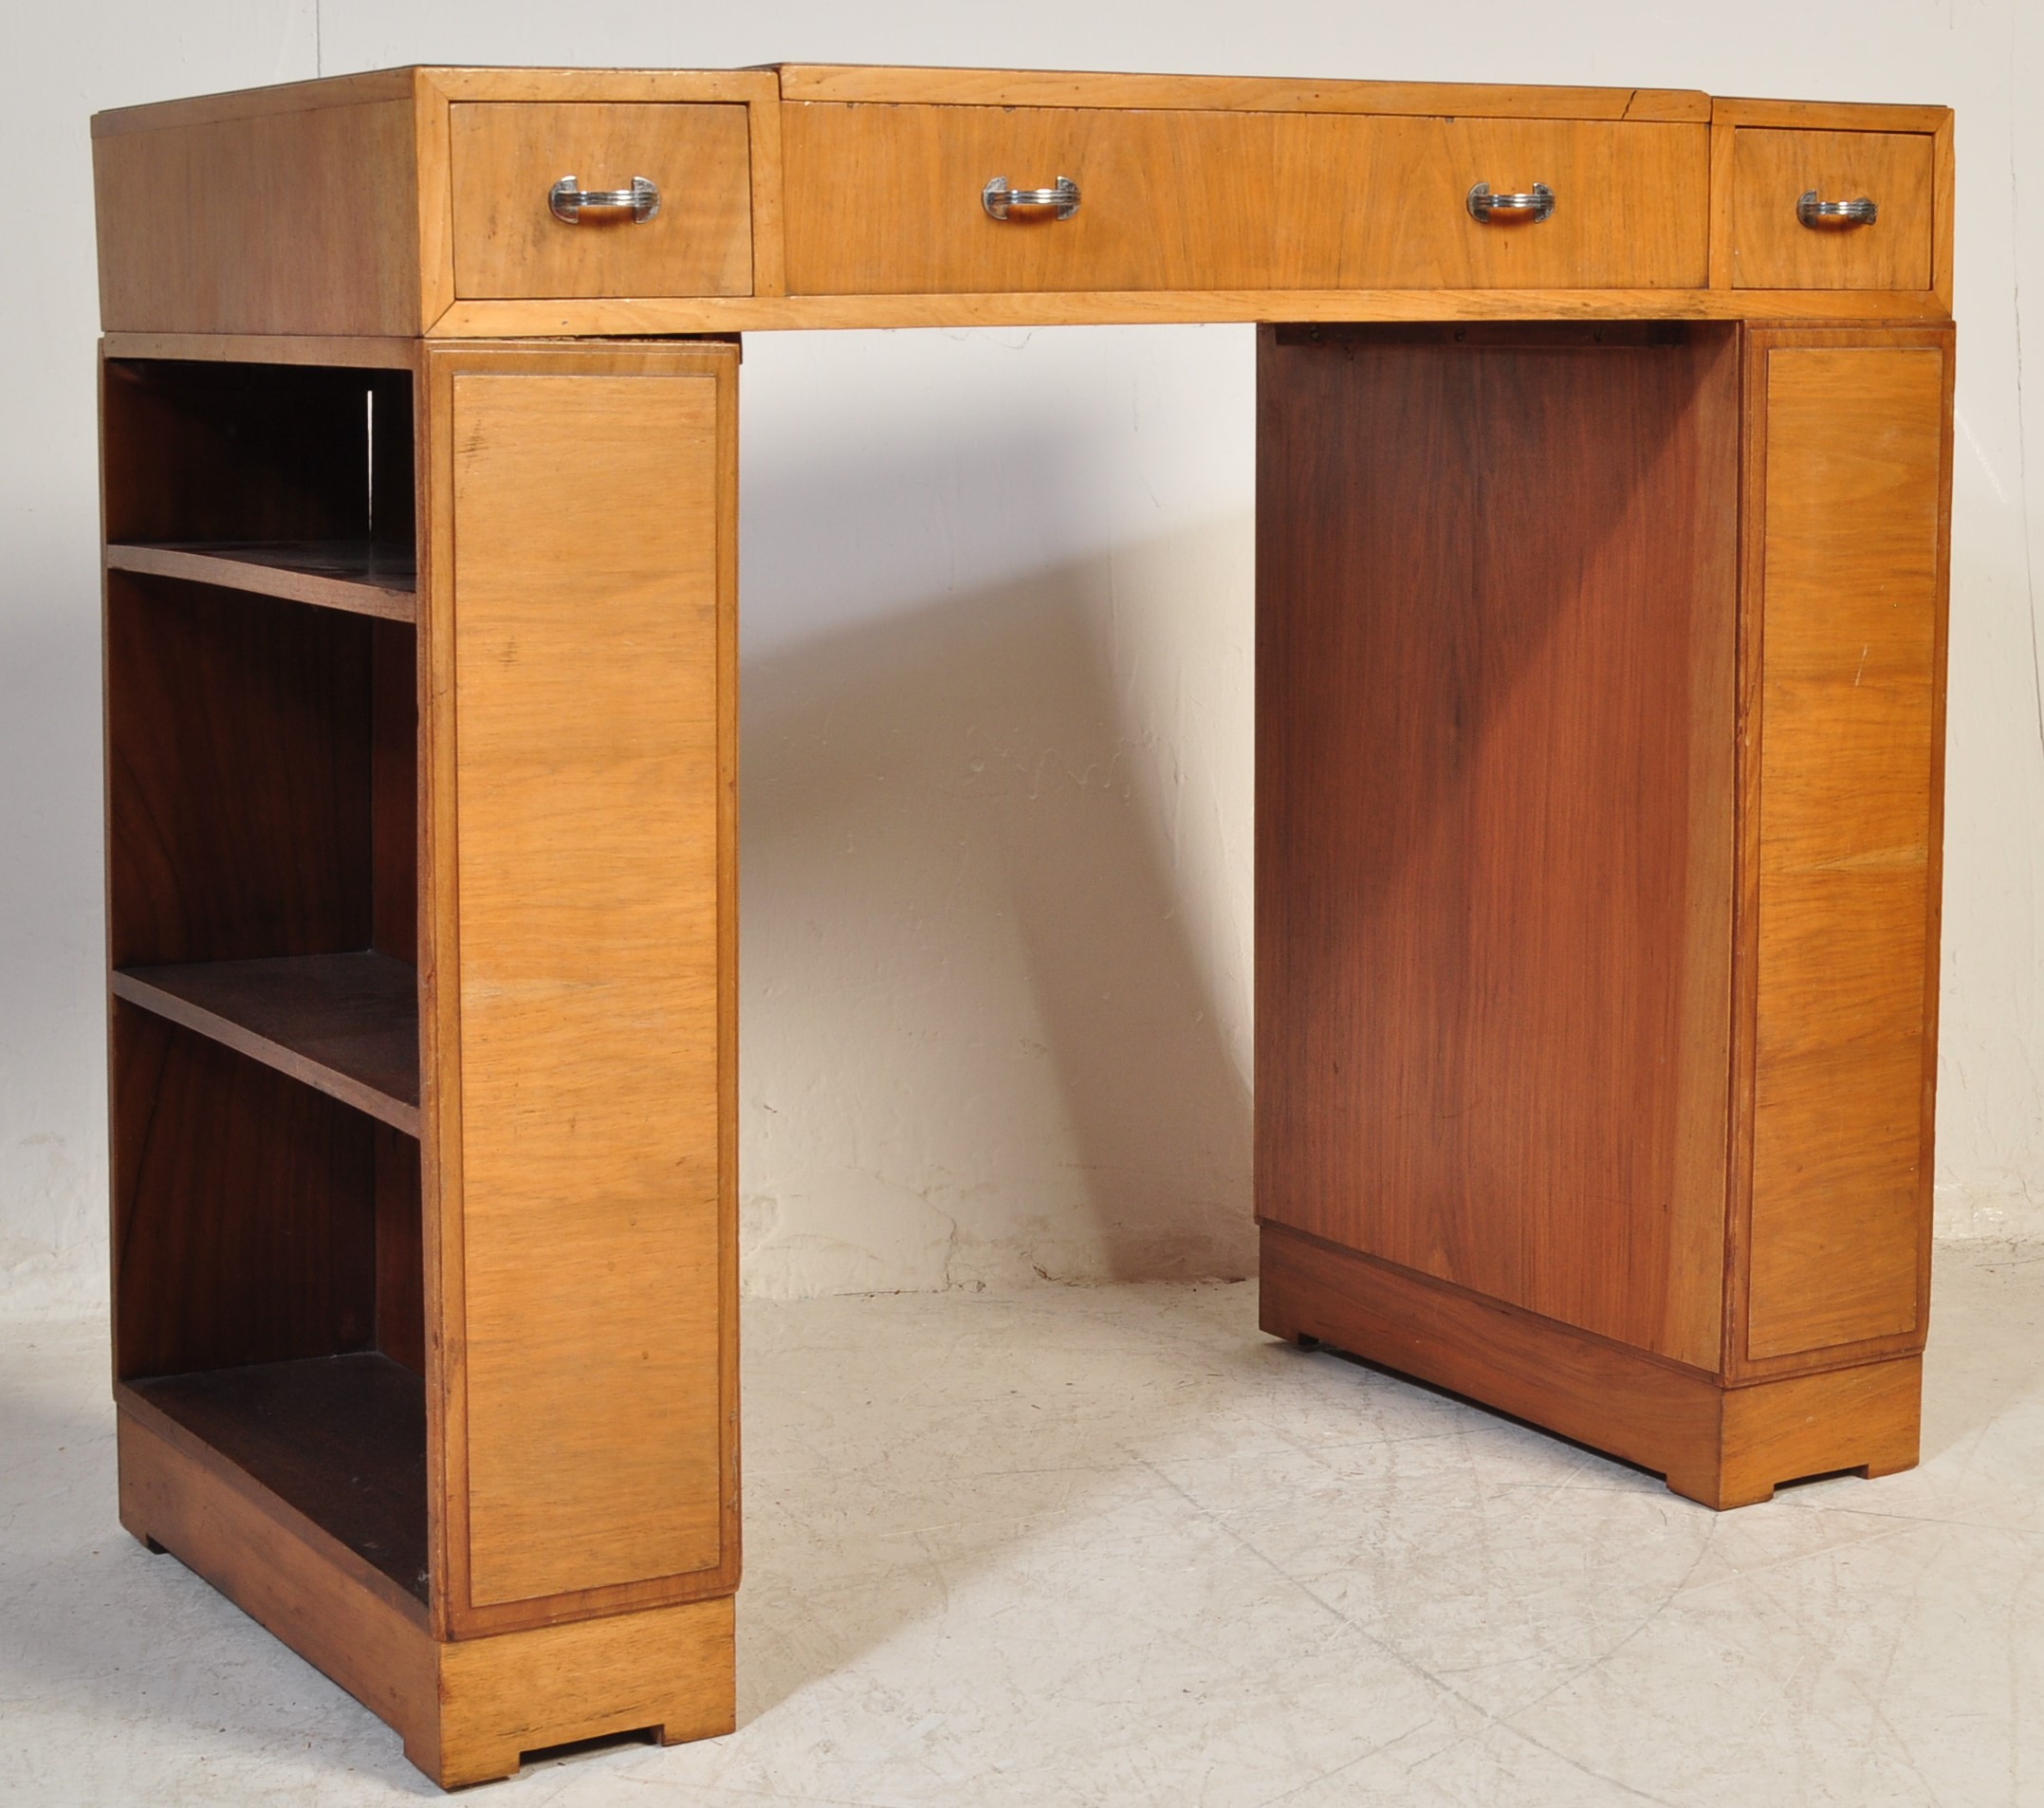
pixel 1602 556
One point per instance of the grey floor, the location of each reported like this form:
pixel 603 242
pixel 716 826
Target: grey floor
pixel 1074 1546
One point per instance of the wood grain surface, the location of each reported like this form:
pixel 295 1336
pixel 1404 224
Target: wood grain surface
pixel 1773 249
pixel 1866 1417
pixel 896 86
pixel 652 315
pixel 1610 1395
pixel 238 776
pixel 354 574
pixel 669 1671
pixel 1183 200
pixel 242 1220
pixel 197 451
pixel 341 1439
pixel 333 189
pixel 1495 696
pixel 508 156
pixel 337 1610
pixel 401 1250
pixel 753 86
pixel 346 1025
pixel 376 254
pixel 322 351
pixel 1724 1447
pixel 394 796
pixel 587 752
pixel 466 1711
pixel 1849 529
pixel 1826 116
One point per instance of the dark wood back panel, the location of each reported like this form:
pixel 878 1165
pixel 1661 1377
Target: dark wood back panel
pixel 1495 716
pixel 203 451
pixel 244 1208
pixel 238 775
pixel 394 494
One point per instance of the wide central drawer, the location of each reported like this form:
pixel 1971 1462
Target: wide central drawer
pixel 886 199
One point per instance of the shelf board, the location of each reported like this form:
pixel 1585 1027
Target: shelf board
pixel 341 1439
pixel 346 1024
pixel 356 575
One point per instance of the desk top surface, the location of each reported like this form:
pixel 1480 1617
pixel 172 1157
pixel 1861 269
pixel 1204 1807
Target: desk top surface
pixel 496 202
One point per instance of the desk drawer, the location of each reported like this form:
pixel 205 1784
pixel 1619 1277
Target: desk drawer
pixel 1772 248
pixel 507 243
pixel 888 200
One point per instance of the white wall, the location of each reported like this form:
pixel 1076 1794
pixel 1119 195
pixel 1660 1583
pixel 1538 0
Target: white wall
pixel 997 803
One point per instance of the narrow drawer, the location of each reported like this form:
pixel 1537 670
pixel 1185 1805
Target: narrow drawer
pixel 888 200
pixel 507 243
pixel 1772 248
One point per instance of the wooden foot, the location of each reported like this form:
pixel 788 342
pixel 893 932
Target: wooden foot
pixel 136 1525
pixel 668 1672
pixel 1863 1419
pixel 1707 1487
pixel 671 1672
pixel 475 1766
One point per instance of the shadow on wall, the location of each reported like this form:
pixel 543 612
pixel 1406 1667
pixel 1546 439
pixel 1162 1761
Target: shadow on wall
pixel 978 1042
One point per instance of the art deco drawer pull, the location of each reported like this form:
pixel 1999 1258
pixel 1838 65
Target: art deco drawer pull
pixel 568 198
pixel 997 198
pixel 1814 213
pixel 1534 205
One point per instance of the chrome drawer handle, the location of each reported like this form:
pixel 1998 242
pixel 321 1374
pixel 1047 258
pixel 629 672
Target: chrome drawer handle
pixel 997 198
pixel 1534 205
pixel 567 199
pixel 1814 213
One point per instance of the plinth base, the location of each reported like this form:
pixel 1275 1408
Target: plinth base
pixel 466 1709
pixel 1725 1445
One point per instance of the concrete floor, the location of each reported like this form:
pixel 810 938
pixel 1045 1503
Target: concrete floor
pixel 1075 1546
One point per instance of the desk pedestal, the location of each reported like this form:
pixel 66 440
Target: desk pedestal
pixel 1600 678
pixel 421 722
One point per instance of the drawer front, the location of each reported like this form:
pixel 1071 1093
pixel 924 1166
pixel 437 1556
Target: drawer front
pixel 509 154
pixel 887 200
pixel 1773 249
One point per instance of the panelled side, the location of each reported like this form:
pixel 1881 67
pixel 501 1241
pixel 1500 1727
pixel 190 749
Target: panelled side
pixel 589 1427
pixel 1495 709
pixel 1850 506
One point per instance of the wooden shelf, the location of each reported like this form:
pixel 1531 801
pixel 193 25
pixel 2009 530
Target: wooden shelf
pixel 360 576
pixel 345 1024
pixel 338 1439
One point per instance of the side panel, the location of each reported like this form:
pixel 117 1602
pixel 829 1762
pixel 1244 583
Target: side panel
pixel 581 991
pixel 1494 730
pixel 242 1229
pixel 297 221
pixel 1850 497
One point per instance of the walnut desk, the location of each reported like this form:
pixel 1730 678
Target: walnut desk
pixel 1603 456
